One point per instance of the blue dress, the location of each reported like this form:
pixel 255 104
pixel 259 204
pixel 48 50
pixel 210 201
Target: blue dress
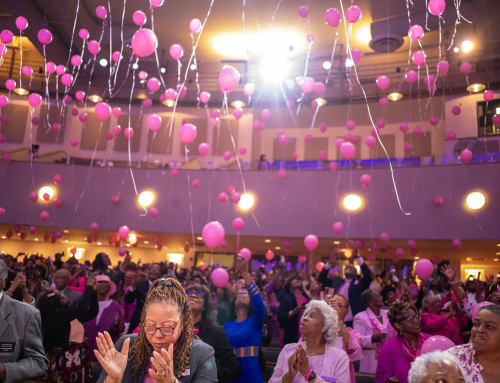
pixel 245 338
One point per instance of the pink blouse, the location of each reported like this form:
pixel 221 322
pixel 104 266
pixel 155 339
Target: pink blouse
pixel 471 370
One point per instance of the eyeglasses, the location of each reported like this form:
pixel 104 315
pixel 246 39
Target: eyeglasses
pixel 411 319
pixel 197 294
pixel 165 331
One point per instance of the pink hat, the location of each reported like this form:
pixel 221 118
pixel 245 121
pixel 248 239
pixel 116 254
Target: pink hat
pixel 112 285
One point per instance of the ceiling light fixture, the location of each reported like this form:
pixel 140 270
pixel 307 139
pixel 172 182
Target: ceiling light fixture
pixel 352 202
pixel 475 200
pixel 163 70
pixel 95 98
pixel 394 96
pixel 135 66
pixel 103 62
pixel 169 103
pixel 246 201
pixel 46 190
pixel 199 238
pixel 146 198
pixel 277 248
pixel 349 63
pixel 467 46
pixel 193 67
pixel 456 50
pixel 476 88
pixel 238 104
pixel 320 101
pixel 267 240
pixel 327 65
pixel 21 91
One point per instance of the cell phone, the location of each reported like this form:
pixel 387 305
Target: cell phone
pixel 19 270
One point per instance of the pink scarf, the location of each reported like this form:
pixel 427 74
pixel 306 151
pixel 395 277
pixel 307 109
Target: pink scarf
pixel 408 350
pixel 376 330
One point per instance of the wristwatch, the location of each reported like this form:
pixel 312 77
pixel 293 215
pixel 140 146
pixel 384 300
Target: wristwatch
pixel 311 375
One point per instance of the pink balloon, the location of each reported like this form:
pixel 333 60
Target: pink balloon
pixel 220 276
pixel 314 104
pixel 443 67
pixel 117 129
pixel 76 60
pixel 323 127
pixel 333 17
pixel 338 227
pixel 215 113
pixel 366 180
pixel 50 67
pixel 153 84
pixel 187 133
pixel 34 99
pixel 383 82
pixel 154 212
pixel 419 57
pixel 417 131
pixel 94 47
pixel 196 183
pixel 215 121
pixel 60 70
pixel 101 12
pixel 353 13
pixel 265 115
pixel 319 266
pixel 44 36
pixel 496 119
pixel 83 33
pixel 139 18
pixel 416 32
pixel 21 23
pixel 27 71
pixel 465 156
pixel 2 211
pixel 204 97
pixel 424 268
pixel 350 125
pixel 147 102
pixel 303 11
pixel 195 25
pixel 411 244
pixel 243 151
pixel 355 55
pixel 170 94
pixel 80 95
pixel 33 197
pixel 123 232
pixel 371 141
pixel 203 149
pixel 339 142
pixel 143 75
pixel 488 95
pixel 408 147
pixel 248 89
pixel 333 166
pixel 129 133
pixel 228 78
pixel 4 100
pixel 456 110
pixel 436 259
pixel 319 88
pixel 7 36
pixel 117 56
pixel 34 120
pixel 154 122
pixel 347 150
pixel 236 197
pixel 156 3
pixel 44 216
pixel 404 127
pixel 2 138
pixel 270 255
pixel 56 127
pixel 74 142
pixel 383 102
pixel 213 233
pixel 82 117
pixel 223 197
pixel 238 113
pixel 67 79
pixel 322 155
pixel 311 242
pixel 174 173
pixel 144 42
pixel 456 244
pixel 115 199
pixel 290 104
pixel 308 85
pixel 10 84
pixel 94 226
pixel 122 251
pixel 109 136
pixel 411 76
pixel 433 120
pixel 436 7
pixel 437 342
pixel 176 51
pixel 281 174
pixel 381 123
pixel 295 156
pixel 283 140
pixel 182 91
pixel 438 201
pixel 102 111
pixel 476 309
pixel 384 237
pixel 465 67
pixel 227 155
pixel 308 138
pixel 400 252
pixel 238 224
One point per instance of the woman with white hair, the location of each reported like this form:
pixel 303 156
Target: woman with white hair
pixel 433 367
pixel 315 359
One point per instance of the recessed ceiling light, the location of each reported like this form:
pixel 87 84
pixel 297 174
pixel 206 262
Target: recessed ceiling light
pixel 99 243
pixel 36 239
pixel 103 62
pixel 467 46
pixel 193 67
pixel 417 257
pixel 496 259
pixel 394 96
pixel 320 101
pixel 3 236
pixel 456 50
pixel 163 70
pixel 146 198
pixel 475 200
pixel 66 241
pixel 20 91
pixel 146 242
pixel 246 201
pixel 327 65
pixel 352 202
pixel 199 238
pixel 238 104
pixel 128 244
pixel 349 63
pixel 95 98
pixel 267 240
pixel 336 242
pixel 135 66
pixel 278 248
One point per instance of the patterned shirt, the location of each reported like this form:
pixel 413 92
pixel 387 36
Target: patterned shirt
pixel 471 370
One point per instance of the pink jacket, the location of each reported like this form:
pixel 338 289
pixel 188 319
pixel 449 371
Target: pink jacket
pixel 335 366
pixel 434 324
pixel 354 344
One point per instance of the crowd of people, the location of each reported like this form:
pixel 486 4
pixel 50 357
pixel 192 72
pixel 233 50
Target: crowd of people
pixel 62 321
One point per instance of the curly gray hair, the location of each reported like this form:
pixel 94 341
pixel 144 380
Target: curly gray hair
pixel 420 367
pixel 428 299
pixel 331 325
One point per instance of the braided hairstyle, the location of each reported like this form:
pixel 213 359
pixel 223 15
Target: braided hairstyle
pixel 395 314
pixel 141 352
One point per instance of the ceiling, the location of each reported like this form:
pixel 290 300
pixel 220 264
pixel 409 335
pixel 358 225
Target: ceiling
pixel 225 24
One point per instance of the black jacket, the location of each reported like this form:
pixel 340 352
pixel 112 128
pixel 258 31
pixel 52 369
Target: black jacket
pixel 224 312
pixel 228 367
pixel 291 326
pixel 140 293
pixel 356 287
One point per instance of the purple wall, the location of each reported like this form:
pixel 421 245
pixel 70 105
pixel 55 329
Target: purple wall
pixel 306 202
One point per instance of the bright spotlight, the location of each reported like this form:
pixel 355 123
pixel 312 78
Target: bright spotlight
pixel 349 63
pixel 456 50
pixel 193 67
pixel 163 70
pixel 467 46
pixel 46 190
pixel 275 69
pixel 103 62
pixel 327 65
pixel 135 66
pixel 246 201
pixel 132 239
pixel 475 200
pixel 352 202
pixel 146 198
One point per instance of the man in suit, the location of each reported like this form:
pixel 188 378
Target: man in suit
pixel 139 291
pixel 22 356
pixel 61 280
pixel 352 286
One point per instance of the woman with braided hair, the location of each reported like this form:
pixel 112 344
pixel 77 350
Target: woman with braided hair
pixel 165 350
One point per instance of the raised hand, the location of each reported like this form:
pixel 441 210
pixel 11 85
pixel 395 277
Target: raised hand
pixel 91 280
pixel 449 272
pixel 490 280
pixel 113 362
pixel 163 366
pixel 241 265
pixel 292 365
